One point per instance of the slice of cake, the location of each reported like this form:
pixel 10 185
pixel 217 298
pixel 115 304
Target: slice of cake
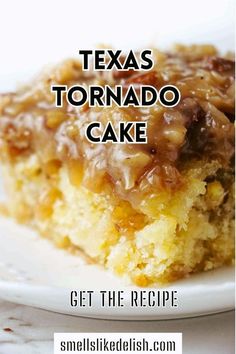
pixel 152 212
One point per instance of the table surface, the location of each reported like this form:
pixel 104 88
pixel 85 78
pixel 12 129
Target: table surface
pixel 28 330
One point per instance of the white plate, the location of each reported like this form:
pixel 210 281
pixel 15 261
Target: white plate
pixel 33 272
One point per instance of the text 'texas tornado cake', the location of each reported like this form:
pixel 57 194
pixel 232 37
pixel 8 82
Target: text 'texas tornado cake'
pixel 154 212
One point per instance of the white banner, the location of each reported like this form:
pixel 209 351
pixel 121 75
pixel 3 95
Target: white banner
pixel 118 343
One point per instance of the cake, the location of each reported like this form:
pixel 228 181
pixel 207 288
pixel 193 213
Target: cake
pixel 152 213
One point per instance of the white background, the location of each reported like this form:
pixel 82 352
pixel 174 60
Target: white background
pixel 35 33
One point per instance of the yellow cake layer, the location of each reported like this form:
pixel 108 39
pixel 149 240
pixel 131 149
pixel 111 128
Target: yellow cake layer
pixel 167 236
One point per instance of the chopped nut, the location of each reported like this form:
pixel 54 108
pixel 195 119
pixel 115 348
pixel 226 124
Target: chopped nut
pixel 215 194
pixel 54 118
pixel 52 166
pixel 46 201
pixel 75 170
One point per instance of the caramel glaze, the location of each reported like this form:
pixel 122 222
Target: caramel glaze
pixel 200 126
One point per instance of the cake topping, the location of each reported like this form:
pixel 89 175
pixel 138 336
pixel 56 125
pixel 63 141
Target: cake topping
pixel 200 125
